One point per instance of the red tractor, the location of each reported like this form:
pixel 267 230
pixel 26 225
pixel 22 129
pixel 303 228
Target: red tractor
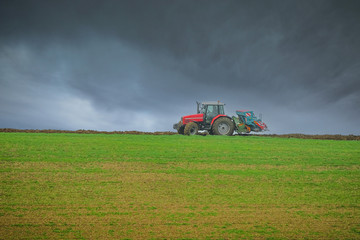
pixel 210 116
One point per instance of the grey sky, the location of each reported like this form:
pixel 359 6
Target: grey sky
pixel 141 65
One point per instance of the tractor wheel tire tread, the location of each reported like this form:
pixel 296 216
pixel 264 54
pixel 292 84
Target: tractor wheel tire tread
pixel 180 129
pixel 223 126
pixel 191 129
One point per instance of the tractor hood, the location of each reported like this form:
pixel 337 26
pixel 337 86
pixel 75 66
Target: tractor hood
pixel 193 118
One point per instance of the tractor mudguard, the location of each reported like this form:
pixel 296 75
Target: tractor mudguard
pixel 220 115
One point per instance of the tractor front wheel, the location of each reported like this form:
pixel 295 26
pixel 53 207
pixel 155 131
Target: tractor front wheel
pixel 191 129
pixel 223 126
pixel 180 129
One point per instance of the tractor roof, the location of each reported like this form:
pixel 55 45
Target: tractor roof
pixel 213 103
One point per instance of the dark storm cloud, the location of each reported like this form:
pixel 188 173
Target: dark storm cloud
pixel 142 64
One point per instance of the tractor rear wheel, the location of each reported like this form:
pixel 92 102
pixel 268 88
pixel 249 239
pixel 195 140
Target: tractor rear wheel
pixel 223 126
pixel 191 129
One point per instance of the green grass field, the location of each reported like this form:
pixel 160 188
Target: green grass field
pixel 97 186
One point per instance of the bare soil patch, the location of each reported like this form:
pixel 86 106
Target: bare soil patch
pixel 83 131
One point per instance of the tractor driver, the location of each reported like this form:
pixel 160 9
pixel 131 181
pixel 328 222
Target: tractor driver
pixel 211 113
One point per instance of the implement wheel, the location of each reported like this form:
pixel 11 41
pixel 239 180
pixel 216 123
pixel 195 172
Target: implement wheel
pixel 223 126
pixel 191 129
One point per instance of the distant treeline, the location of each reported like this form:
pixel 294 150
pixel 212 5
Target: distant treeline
pixel 82 131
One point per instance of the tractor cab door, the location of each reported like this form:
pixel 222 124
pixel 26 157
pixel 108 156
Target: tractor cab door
pixel 212 111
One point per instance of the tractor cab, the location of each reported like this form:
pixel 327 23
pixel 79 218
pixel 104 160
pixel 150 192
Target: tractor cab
pixel 210 110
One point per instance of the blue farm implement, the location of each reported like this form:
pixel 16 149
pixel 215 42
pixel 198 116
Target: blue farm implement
pixel 246 121
pixel 211 117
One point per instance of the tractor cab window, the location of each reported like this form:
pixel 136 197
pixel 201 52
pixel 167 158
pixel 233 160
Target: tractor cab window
pixel 210 113
pixel 214 110
pixel 202 109
pixel 209 110
pixel 221 109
